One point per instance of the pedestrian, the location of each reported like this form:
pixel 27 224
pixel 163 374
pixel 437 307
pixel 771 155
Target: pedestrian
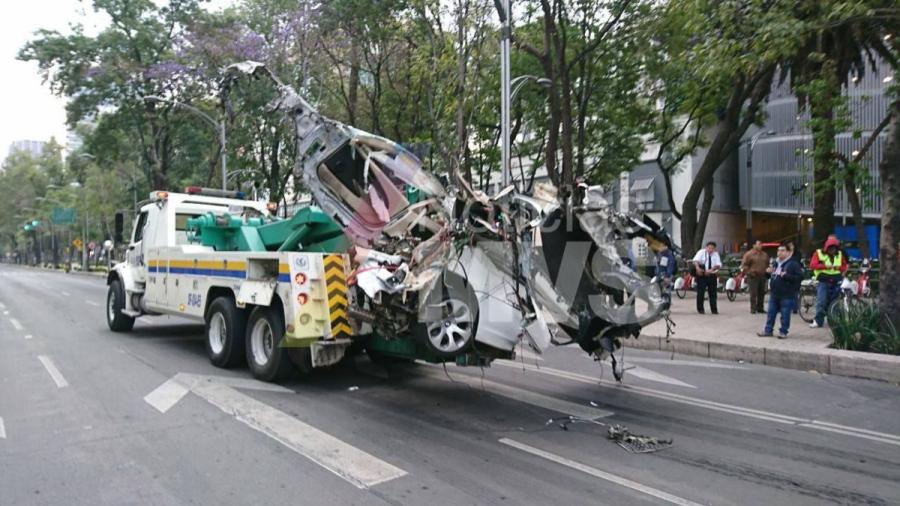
pixel 706 266
pixel 828 265
pixel 797 255
pixel 786 277
pixel 754 265
pixel 666 264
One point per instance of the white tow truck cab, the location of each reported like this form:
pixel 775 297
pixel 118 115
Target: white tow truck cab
pixel 271 308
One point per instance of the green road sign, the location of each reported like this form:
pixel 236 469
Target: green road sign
pixel 63 216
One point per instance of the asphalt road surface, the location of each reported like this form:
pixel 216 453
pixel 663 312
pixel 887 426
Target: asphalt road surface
pixel 92 417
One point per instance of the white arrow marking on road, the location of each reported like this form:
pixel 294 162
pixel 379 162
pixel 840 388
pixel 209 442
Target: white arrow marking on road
pixel 352 464
pixel 2 429
pixel 603 475
pixel 649 375
pixel 54 372
pixel 521 395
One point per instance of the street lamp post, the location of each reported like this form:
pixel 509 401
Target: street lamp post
pixel 504 11
pixel 751 144
pixel 219 126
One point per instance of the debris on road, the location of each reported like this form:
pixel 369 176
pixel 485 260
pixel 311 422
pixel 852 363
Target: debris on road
pixel 636 443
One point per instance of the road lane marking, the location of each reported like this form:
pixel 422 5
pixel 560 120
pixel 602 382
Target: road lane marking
pixel 2 429
pixel 5 313
pixel 691 363
pixel 54 372
pixel 66 294
pixel 92 303
pixel 597 473
pixel 718 406
pixel 16 324
pixel 28 336
pixel 167 395
pixel 346 461
pixel 649 375
pixel 2 305
pixel 521 395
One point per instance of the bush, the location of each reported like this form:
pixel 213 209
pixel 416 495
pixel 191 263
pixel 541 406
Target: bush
pixel 864 328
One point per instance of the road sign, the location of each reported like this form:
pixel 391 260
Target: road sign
pixel 63 216
pixel 77 243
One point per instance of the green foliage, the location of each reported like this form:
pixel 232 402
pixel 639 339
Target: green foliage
pixel 864 328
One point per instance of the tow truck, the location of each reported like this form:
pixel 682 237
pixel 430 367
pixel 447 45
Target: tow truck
pixel 273 292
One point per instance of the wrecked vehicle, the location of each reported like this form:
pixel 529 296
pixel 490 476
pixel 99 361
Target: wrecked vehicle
pixel 450 274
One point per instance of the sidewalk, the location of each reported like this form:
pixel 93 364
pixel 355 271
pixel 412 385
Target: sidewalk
pixel 731 335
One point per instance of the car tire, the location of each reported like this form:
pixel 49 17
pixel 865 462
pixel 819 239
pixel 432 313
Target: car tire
pixel 115 303
pixel 450 320
pixel 226 328
pixel 267 359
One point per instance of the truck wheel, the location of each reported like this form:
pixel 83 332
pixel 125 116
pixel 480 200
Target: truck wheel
pixel 451 318
pixel 268 360
pixel 226 326
pixel 115 303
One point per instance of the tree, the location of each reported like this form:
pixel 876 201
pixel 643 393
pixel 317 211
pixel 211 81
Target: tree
pixel 118 68
pixel 710 68
pixel 834 41
pixel 889 251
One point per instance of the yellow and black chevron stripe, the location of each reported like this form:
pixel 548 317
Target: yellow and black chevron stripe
pixel 336 286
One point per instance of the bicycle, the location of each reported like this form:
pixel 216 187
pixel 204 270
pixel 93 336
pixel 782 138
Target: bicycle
pixel 846 301
pixel 807 309
pixel 736 284
pixel 684 283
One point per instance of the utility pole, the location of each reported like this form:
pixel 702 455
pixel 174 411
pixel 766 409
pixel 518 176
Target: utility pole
pixel 504 10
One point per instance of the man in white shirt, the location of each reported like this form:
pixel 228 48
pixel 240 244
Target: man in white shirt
pixel 706 268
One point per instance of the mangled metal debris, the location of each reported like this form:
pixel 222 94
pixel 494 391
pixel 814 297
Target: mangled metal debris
pixel 636 443
pixel 473 274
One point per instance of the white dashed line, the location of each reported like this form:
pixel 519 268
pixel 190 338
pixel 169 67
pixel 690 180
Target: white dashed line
pixel 54 372
pixel 66 294
pixel 92 303
pixel 2 429
pixel 27 336
pixel 15 323
pixel 2 305
pixel 603 475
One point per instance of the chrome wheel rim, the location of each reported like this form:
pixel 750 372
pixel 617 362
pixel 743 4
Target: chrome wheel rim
pixel 453 331
pixel 217 331
pixel 262 342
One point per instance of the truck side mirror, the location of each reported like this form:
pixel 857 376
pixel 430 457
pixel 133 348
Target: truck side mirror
pixel 120 227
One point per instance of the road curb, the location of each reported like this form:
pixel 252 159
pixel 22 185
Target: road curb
pixel 854 364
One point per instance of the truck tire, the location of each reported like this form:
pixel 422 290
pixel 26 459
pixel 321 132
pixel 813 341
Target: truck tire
pixel 267 359
pixel 450 331
pixel 115 303
pixel 226 327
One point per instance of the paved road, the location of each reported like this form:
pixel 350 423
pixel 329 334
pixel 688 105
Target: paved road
pixel 91 417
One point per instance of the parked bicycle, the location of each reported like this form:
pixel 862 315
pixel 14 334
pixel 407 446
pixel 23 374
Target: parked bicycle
pixel 737 283
pixel 843 304
pixel 685 282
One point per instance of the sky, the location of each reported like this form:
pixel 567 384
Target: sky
pixel 28 109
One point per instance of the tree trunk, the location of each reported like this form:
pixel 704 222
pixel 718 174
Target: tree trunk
pixel 889 273
pixel 353 86
pixel 824 163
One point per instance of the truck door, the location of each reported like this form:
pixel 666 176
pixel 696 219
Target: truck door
pixel 134 257
pixel 156 258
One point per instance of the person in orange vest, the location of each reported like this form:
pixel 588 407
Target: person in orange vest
pixel 828 265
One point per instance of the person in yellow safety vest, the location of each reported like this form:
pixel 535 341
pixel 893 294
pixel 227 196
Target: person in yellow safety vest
pixel 828 265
